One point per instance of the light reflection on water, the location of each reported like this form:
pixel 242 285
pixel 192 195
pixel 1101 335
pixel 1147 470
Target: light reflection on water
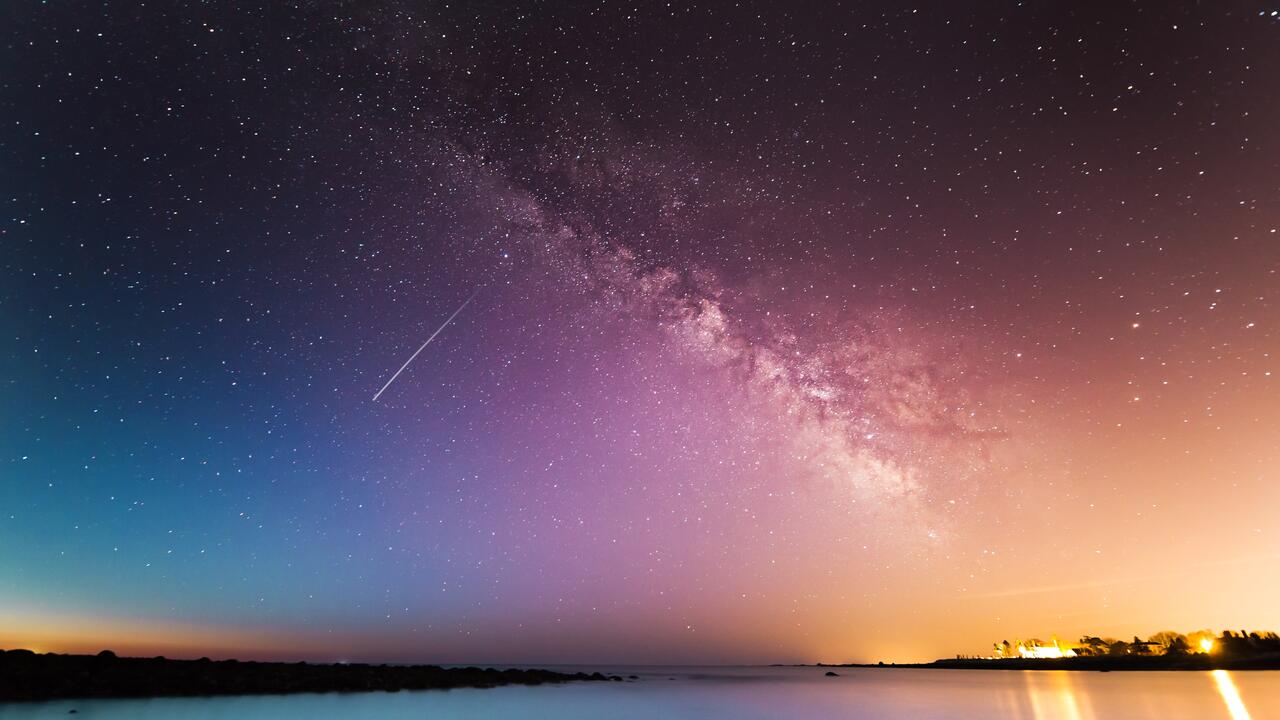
pixel 1230 695
pixel 858 694
pixel 1053 697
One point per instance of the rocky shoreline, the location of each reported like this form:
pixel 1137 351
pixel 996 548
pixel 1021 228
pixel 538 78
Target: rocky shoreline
pixel 25 675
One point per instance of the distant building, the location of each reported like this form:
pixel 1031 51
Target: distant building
pixel 1033 649
pixel 1039 649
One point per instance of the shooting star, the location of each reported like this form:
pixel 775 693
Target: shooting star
pixel 425 344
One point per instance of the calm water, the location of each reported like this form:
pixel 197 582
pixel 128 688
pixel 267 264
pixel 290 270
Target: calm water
pixel 754 693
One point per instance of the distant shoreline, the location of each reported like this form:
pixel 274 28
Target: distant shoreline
pixel 1197 662
pixel 25 675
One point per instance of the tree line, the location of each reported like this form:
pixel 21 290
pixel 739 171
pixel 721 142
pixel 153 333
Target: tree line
pixel 1228 643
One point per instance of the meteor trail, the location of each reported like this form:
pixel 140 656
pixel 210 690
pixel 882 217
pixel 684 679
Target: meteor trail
pixel 428 342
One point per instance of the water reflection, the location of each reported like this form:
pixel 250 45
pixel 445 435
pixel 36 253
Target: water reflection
pixel 1053 697
pixel 749 694
pixel 1230 696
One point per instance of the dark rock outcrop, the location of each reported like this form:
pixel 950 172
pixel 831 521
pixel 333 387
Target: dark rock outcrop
pixel 25 675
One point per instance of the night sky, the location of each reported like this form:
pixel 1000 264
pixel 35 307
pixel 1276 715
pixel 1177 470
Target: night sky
pixel 798 332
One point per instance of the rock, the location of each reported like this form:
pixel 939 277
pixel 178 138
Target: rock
pixel 832 674
pixel 28 676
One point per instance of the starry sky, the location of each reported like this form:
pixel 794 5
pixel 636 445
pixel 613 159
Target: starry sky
pixel 798 331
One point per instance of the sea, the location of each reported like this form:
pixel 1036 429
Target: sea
pixel 749 692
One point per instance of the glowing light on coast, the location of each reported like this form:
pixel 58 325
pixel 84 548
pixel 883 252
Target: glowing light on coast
pixel 1206 644
pixel 1230 695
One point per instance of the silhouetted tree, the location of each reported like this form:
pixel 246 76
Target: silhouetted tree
pixel 1230 644
pixel 1167 638
pixel 1197 639
pixel 1090 645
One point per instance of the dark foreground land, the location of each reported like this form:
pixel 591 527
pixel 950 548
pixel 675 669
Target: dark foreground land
pixel 25 675
pixel 1101 663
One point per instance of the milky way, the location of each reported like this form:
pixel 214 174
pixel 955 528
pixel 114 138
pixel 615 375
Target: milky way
pixel 838 332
